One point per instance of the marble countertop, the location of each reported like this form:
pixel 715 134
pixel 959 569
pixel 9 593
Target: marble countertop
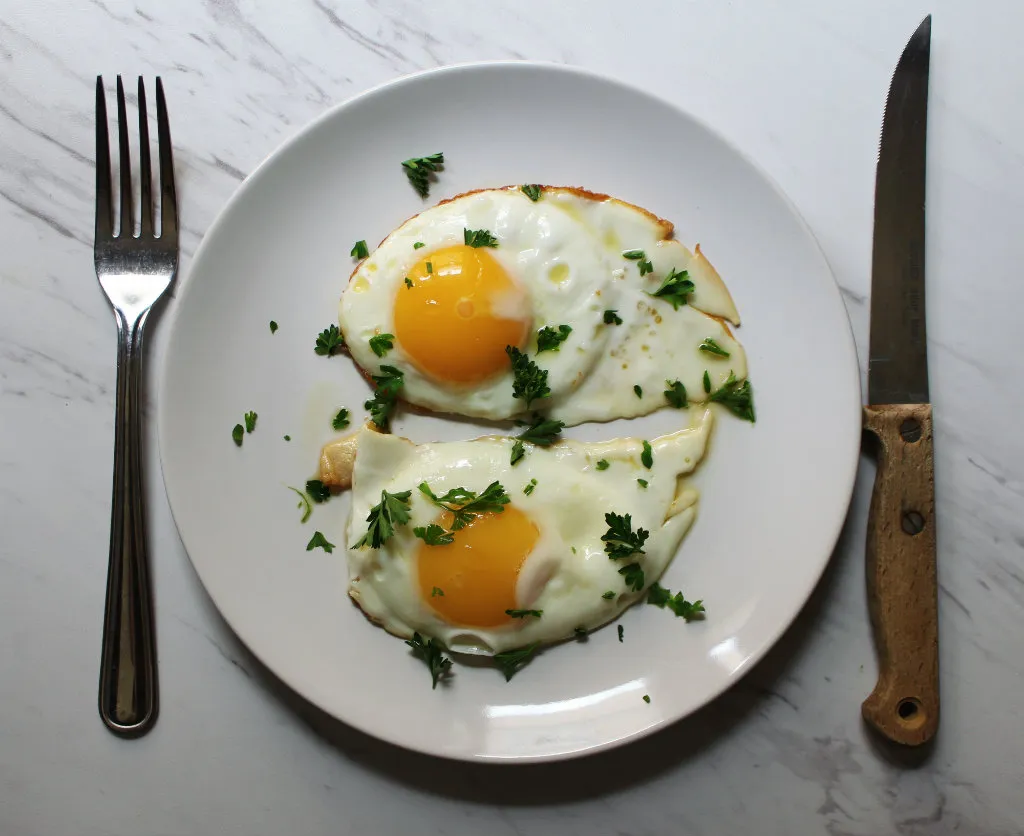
pixel 797 84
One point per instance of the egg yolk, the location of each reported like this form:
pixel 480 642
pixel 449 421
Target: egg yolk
pixel 456 313
pixel 472 581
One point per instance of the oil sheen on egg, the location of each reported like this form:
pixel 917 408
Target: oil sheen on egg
pixel 542 552
pixel 453 308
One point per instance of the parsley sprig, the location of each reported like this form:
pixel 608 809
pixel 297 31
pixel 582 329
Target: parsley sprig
pixel 530 382
pixel 478 238
pixel 381 344
pixel 676 394
pixel 633 575
pixel 389 383
pixel 464 505
pixel 675 288
pixel 434 535
pixel 318 491
pixel 510 662
pixel 524 613
pixel 620 541
pixel 736 396
pixel 329 342
pixel 549 339
pixel 542 431
pixel 431 652
pixel 392 510
pixel 419 169
pixel 709 346
pixel 341 420
pixel 359 250
pixel 250 421
pixel 532 191
pixel 611 317
pixel 319 541
pixel 661 597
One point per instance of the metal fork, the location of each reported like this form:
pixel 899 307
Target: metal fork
pixel 133 271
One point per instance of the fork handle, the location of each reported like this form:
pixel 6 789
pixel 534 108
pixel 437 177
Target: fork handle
pixel 128 700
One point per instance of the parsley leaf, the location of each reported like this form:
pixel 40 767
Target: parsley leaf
pixel 676 394
pixel 437 592
pixel 250 421
pixel 237 433
pixel 707 381
pixel 330 342
pixel 419 245
pixel 633 255
pixel 647 698
pixel 647 456
pixel 303 503
pixel 642 483
pixel 737 397
pixel 465 505
pixel 633 574
pixel 408 282
pixel 609 595
pixel 549 339
pixel 510 662
pixel 603 464
pixel 319 541
pixel 287 438
pixel 318 491
pixel 434 535
pixel 429 266
pixel 431 652
pixel 359 250
pixel 524 613
pixel 389 382
pixel 621 632
pixel 529 488
pixel 611 317
pixel 661 597
pixel 675 288
pixel 638 391
pixel 711 347
pixel 530 382
pixel 518 451
pixel 418 170
pixel 620 541
pixel 532 191
pixel 273 327
pixel 645 267
pixel 381 344
pixel 580 633
pixel 478 238
pixel 543 431
pixel 392 510
pixel 340 420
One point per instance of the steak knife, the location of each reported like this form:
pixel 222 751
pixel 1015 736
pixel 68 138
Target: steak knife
pixel 900 553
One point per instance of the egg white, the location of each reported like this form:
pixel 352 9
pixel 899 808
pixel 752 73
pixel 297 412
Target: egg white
pixel 565 252
pixel 568 571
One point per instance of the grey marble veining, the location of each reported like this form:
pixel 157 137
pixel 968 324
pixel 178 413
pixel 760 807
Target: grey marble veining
pixel 799 86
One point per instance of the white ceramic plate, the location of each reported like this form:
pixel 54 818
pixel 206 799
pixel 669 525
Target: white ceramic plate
pixel 774 495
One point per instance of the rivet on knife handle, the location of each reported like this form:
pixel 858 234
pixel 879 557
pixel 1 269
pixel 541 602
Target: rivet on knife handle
pixel 902 585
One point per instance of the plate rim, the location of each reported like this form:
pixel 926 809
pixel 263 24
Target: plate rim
pixel 849 478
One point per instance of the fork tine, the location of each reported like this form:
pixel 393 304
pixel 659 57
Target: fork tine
pixel 145 192
pixel 168 198
pixel 125 229
pixel 104 211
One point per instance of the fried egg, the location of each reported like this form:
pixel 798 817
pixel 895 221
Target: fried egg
pixel 542 554
pixel 583 265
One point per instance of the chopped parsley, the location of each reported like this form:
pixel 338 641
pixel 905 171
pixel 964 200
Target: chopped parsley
pixel 303 503
pixel 580 633
pixel 633 575
pixel 250 421
pixel 478 238
pixel 661 597
pixel 609 595
pixel 634 255
pixel 518 451
pixel 530 382
pixel 620 541
pixel 647 698
pixel 392 510
pixel 381 344
pixel 529 487
pixel 437 592
pixel 602 464
pixel 359 250
pixel 419 245
pixel 510 662
pixel 532 191
pixel 318 491
pixel 418 170
pixel 549 339
pixel 611 317
pixel 287 438
pixel 736 396
pixel 434 535
pixel 273 327
pixel 642 483
pixel 543 431
pixel 638 391
pixel 430 267
pixel 330 342
pixel 647 456
pixel 408 282
pixel 676 394
pixel 237 433
pixel 389 382
pixel 465 505
pixel 622 632
pixel 645 266
pixel 524 613
pixel 319 541
pixel 711 347
pixel 432 653
pixel 675 288
pixel 707 381
pixel 340 420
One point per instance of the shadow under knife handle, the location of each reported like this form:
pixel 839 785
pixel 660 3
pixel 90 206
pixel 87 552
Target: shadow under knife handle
pixel 901 575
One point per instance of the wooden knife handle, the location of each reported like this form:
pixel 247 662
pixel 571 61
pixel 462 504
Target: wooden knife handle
pixel 901 577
